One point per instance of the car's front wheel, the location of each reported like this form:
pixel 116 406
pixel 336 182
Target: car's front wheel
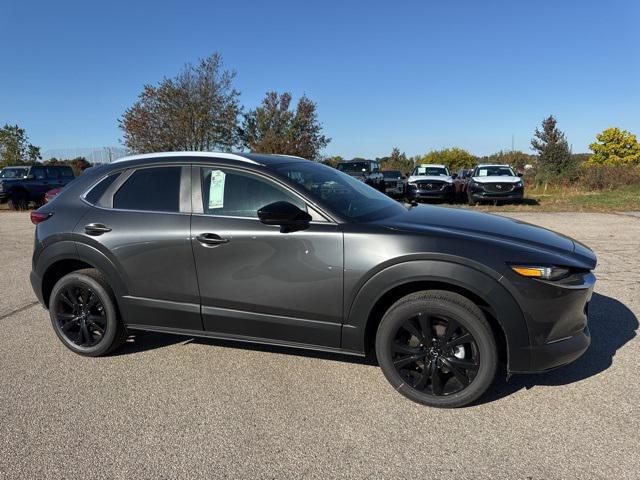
pixel 84 315
pixel 437 348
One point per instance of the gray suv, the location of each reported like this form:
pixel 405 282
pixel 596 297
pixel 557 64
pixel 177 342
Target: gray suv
pixel 285 251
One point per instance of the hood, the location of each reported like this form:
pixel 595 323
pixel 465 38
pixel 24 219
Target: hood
pixel 430 178
pixel 431 219
pixel 496 179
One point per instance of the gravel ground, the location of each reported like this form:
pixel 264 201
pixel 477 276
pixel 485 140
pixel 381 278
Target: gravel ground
pixel 173 407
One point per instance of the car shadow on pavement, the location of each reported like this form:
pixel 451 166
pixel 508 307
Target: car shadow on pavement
pixel 611 324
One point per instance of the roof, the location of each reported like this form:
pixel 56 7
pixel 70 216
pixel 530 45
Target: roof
pixel 253 158
pixel 432 165
pixel 493 165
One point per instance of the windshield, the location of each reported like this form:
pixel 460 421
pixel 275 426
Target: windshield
pixel 354 167
pixel 431 171
pixel 493 172
pixel 391 174
pixel 340 192
pixel 14 172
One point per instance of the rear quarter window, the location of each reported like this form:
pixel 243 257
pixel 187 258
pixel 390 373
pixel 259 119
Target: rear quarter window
pixel 93 196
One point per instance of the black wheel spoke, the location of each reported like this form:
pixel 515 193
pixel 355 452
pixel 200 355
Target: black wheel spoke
pixel 422 379
pixel 425 325
pixel 404 361
pixel 64 296
pixel 92 301
pixel 459 374
pixel 68 325
pixel 461 340
pixel 410 327
pixel 452 325
pixel 436 379
pixel 404 349
pixel 467 365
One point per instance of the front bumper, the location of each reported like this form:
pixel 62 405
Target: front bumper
pixel 479 194
pixel 556 314
pixel 416 193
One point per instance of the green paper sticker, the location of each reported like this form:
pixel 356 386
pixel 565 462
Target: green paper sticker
pixel 216 189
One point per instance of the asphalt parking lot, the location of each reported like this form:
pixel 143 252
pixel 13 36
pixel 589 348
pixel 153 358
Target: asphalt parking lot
pixel 174 407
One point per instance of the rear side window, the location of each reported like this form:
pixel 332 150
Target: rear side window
pixel 66 172
pixel 150 189
pixel 96 192
pixel 53 172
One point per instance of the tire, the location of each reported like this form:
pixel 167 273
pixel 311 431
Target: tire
pixel 471 201
pixel 463 371
pixel 19 200
pixel 86 296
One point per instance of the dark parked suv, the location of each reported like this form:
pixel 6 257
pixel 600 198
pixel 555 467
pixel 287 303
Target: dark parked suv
pixel 22 184
pixel 284 251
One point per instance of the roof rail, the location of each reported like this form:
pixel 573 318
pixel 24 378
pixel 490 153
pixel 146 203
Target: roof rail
pixel 229 156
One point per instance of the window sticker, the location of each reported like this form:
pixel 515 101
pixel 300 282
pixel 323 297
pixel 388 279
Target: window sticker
pixel 483 173
pixel 216 189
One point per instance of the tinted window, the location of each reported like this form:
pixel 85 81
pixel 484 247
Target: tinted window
pixel 340 192
pixel 53 172
pixel 236 194
pixel 392 174
pixel 96 192
pixel 39 173
pixel 14 172
pixel 354 167
pixel 152 189
pixel 66 172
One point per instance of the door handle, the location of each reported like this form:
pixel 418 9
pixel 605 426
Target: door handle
pixel 211 239
pixel 96 229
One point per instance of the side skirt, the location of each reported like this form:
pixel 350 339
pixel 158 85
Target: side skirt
pixel 242 338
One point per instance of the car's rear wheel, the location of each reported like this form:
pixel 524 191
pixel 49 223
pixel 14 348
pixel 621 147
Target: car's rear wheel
pixel 84 315
pixel 470 200
pixel 19 201
pixel 437 348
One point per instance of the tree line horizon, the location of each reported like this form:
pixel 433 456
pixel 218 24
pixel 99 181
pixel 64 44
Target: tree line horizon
pixel 199 110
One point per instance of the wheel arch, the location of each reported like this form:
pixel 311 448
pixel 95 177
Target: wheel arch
pixel 384 288
pixel 65 257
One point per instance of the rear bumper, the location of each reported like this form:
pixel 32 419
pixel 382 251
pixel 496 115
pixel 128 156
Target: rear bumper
pixel 36 284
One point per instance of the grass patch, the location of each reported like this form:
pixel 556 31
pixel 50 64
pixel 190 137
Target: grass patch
pixel 572 199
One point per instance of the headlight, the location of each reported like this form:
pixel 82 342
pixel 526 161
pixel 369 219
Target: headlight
pixel 519 183
pixel 544 273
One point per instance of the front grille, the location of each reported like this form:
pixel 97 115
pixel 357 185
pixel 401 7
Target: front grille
pixel 498 187
pixel 431 186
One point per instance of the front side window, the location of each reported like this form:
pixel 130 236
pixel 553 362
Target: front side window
pixel 340 192
pixel 150 189
pixel 237 194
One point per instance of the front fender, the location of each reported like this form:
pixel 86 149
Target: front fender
pixel 481 284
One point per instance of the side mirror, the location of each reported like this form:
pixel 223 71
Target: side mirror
pixel 31 176
pixel 520 174
pixel 289 217
pixel 454 176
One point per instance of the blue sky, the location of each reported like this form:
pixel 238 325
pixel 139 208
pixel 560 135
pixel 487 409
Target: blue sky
pixel 417 75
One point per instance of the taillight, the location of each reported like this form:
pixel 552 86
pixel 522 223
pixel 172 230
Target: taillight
pixel 37 217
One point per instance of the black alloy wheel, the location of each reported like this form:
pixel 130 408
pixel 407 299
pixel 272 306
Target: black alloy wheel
pixel 84 313
pixel 437 348
pixel 80 315
pixel 435 355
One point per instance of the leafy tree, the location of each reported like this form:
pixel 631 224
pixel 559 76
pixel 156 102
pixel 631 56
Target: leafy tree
pixel 397 161
pixel 196 110
pixel 455 158
pixel 615 147
pixel 554 157
pixel 274 128
pixel 332 161
pixel 516 159
pixel 15 148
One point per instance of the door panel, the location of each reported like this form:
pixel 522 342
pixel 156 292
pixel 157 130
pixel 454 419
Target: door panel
pixel 268 284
